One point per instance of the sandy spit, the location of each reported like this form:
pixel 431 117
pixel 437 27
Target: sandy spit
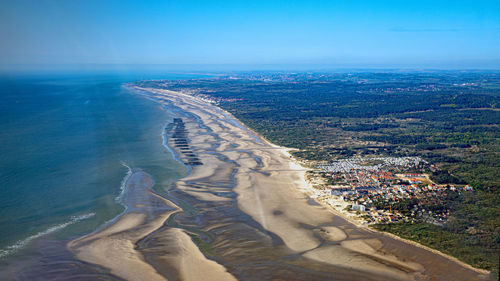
pixel 114 246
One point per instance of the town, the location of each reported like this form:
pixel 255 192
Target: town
pixel 384 189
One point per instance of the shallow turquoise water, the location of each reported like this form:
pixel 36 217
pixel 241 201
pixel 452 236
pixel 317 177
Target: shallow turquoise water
pixel 66 143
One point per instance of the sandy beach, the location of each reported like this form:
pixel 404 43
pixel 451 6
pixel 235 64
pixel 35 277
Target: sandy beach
pixel 244 214
pixel 114 247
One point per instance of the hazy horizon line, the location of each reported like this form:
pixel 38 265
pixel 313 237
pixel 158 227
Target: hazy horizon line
pixel 228 67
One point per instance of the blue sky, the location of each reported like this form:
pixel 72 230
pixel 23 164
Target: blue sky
pixel 405 33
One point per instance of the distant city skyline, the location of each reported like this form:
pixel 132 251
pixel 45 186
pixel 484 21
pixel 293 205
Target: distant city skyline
pixel 58 34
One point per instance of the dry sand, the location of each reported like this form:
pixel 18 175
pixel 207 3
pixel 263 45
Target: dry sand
pixel 269 188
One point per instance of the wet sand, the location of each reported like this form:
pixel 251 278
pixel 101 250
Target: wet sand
pixel 243 213
pixel 114 247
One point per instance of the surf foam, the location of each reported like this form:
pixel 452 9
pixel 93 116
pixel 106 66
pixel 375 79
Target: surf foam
pixel 22 243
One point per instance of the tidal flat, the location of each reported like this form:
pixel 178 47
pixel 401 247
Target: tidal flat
pixel 241 213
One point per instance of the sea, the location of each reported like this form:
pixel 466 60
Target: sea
pixel 67 144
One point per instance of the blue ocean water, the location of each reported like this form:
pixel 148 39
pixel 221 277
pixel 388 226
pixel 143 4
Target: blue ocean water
pixel 66 144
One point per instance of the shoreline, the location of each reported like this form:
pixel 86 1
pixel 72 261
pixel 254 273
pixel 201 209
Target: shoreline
pixel 414 243
pixel 264 216
pixel 114 245
pixel 100 247
pixel 308 189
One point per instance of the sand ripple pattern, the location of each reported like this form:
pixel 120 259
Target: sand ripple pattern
pixel 244 214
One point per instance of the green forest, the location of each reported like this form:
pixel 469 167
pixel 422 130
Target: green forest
pixel 450 119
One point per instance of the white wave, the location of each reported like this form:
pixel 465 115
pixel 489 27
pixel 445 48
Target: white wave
pixel 21 243
pixel 124 183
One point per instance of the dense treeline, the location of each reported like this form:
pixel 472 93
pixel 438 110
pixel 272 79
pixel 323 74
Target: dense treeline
pixel 444 177
pixel 450 119
pixel 471 234
pixel 431 115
